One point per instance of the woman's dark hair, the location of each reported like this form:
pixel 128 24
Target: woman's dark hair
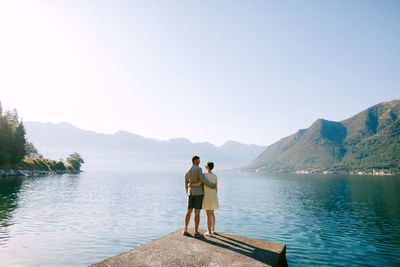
pixel 210 165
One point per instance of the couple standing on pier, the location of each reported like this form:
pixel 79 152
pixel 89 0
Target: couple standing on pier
pixel 202 194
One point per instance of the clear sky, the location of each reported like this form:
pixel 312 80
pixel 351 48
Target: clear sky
pixel 251 71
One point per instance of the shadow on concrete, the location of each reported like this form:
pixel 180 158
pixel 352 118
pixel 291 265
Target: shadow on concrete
pixel 259 254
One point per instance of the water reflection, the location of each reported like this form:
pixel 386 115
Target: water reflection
pixel 13 192
pixel 78 220
pixel 345 217
pixel 9 191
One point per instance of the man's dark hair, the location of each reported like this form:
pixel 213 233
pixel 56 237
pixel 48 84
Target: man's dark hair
pixel 195 158
pixel 210 165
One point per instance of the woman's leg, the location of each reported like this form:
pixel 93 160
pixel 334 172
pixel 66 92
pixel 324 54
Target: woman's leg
pixel 209 220
pixel 212 220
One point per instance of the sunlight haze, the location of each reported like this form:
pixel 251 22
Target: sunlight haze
pixel 212 71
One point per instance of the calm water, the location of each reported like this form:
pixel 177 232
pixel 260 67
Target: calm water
pixel 76 220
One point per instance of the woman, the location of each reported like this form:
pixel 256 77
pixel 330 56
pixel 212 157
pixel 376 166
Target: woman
pixel 210 200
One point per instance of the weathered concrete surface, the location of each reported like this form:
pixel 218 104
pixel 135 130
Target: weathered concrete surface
pixel 221 250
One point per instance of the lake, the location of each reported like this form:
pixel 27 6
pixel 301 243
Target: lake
pixel 76 220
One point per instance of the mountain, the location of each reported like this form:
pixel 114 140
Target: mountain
pixel 124 150
pixel 366 141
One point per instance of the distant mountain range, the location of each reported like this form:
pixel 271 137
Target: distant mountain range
pixel 125 151
pixel 366 141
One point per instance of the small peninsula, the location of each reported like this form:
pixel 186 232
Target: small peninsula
pixel 20 157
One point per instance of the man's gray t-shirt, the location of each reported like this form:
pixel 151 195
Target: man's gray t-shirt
pixel 194 175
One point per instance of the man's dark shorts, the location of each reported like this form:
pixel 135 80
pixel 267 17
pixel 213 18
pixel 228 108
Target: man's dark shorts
pixel 195 202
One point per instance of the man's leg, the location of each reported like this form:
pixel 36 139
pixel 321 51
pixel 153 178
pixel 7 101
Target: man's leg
pixel 196 220
pixel 187 218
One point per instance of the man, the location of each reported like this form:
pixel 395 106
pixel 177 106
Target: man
pixel 195 194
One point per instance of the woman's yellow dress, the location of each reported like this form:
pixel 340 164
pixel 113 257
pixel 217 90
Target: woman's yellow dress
pixel 210 200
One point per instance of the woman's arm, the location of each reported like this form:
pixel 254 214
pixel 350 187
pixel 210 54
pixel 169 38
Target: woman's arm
pixel 195 184
pixel 216 187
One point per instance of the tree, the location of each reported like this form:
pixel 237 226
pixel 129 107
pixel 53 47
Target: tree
pixel 75 160
pixel 60 166
pixel 5 133
pixel 12 137
pixel 14 117
pixel 7 113
pixel 18 144
pixel 30 148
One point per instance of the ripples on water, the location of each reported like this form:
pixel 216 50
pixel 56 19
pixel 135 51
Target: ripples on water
pixel 76 220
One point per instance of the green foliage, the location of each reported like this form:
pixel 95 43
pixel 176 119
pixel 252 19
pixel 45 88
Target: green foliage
pixel 380 151
pixel 12 138
pixel 75 161
pixel 366 141
pixel 14 147
pixel 42 164
pixel 18 144
pixel 30 148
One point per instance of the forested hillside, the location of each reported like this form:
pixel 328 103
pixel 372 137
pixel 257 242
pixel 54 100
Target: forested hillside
pixel 12 137
pixel 18 154
pixel 367 141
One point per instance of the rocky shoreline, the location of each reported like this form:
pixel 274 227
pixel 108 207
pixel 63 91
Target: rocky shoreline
pixel 374 172
pixel 27 173
pixel 326 172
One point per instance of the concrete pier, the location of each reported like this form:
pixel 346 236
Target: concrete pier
pixel 220 250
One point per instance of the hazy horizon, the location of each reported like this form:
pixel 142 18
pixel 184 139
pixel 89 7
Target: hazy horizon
pixel 184 137
pixel 147 137
pixel 252 72
pixel 128 151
